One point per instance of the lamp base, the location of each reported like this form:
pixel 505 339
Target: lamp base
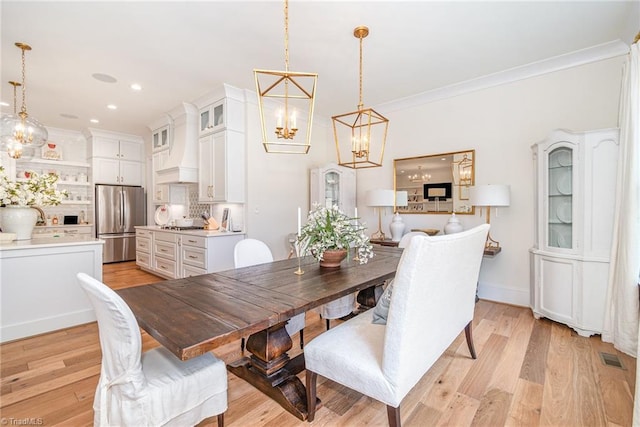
pixel 492 250
pixel 378 235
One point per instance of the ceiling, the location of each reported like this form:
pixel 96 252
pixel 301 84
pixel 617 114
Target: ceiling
pixel 178 51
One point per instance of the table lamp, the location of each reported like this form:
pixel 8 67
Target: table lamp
pixel 380 199
pixel 490 195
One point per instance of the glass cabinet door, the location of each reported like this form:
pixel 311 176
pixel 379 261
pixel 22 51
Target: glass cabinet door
pixel 560 198
pixel 331 189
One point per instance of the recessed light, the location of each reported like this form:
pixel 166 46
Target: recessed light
pixel 136 86
pixel 106 78
pixel 68 116
pixel 112 107
pixel 94 121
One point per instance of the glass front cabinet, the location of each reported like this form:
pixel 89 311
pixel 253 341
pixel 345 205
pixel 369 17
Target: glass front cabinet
pixel 334 185
pixel 575 181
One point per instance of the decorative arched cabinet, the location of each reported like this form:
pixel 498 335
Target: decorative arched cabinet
pixel 575 176
pixel 334 185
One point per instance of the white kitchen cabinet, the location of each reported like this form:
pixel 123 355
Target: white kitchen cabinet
pixel 144 248
pixel 176 254
pixel 160 138
pixel 113 171
pixel 575 199
pixel 116 158
pixel 221 168
pixel 334 185
pixel 221 110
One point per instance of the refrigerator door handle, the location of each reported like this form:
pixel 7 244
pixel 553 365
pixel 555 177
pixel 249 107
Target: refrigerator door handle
pixel 122 208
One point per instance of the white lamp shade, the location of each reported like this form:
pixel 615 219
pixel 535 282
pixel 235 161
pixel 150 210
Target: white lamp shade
pixel 402 198
pixel 380 198
pixel 490 195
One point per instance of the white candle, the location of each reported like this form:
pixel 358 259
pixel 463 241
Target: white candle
pixel 293 121
pixel 279 119
pixel 299 218
pixel 356 216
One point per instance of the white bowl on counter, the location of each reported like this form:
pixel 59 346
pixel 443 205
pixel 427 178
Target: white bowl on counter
pixel 184 222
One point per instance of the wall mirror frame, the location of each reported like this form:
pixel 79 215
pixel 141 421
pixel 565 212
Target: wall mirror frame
pixel 436 183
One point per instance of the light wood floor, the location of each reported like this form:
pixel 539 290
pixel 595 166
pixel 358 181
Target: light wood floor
pixel 528 372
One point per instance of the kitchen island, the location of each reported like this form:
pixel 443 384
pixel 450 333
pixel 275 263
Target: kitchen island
pixel 39 291
pixel 182 253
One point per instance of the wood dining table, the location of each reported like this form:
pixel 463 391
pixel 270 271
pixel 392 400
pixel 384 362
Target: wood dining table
pixel 194 315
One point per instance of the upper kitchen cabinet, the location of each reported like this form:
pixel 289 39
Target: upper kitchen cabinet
pixel 221 171
pixel 221 110
pixel 161 133
pixel 116 158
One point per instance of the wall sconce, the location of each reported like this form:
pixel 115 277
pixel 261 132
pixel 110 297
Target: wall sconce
pixel 490 196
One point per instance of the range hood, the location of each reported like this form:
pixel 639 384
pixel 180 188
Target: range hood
pixel 182 164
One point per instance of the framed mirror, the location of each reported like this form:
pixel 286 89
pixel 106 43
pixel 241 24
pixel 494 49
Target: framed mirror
pixel 436 184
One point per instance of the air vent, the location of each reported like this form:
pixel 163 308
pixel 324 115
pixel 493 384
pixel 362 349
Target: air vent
pixel 611 360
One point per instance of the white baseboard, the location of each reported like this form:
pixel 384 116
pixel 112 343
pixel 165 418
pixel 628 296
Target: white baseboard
pixel 48 324
pixel 497 293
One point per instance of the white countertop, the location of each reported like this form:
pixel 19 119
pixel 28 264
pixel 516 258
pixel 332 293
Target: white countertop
pixel 203 233
pixel 51 242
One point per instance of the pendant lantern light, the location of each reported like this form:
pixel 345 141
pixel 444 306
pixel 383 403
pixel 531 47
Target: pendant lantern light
pixel 289 96
pixel 360 136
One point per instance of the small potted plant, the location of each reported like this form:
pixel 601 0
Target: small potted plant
pixel 329 233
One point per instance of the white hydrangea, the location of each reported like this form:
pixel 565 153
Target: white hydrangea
pixel 37 190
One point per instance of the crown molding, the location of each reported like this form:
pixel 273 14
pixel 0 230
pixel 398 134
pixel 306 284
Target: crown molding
pixel 557 63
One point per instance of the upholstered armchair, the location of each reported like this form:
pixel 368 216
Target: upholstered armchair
pixel 154 388
pixel 431 300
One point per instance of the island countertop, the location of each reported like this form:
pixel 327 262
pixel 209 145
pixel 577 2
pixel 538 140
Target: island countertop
pixel 193 232
pixel 49 242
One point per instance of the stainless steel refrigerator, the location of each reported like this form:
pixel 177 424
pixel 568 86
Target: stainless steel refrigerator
pixel 119 208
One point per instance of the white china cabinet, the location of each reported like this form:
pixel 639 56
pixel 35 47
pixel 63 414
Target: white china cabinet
pixel 116 158
pixel 334 185
pixel 575 199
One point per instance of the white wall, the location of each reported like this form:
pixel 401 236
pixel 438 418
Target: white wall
pixel 278 183
pixel 500 123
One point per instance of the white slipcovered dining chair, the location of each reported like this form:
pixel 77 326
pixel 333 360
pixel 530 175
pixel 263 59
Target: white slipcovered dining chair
pixel 404 241
pixel 432 300
pixel 154 388
pixel 250 252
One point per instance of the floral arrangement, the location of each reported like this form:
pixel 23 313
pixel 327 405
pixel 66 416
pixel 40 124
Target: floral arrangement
pixel 330 229
pixel 37 190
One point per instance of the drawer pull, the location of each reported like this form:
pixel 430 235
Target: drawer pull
pixel 193 241
pixel 193 257
pixel 163 250
pixel 163 267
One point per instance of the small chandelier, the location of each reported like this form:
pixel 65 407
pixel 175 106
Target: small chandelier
pixel 20 133
pixel 360 135
pixel 292 94
pixel 420 177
